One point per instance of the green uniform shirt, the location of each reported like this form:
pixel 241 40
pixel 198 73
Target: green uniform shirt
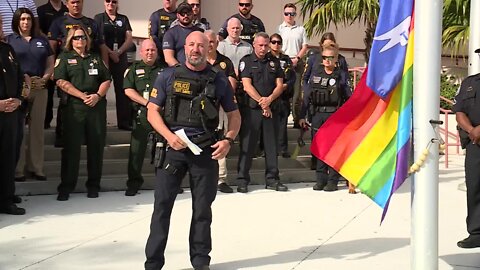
pixel 86 74
pixel 140 76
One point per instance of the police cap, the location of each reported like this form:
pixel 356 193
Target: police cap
pixel 184 7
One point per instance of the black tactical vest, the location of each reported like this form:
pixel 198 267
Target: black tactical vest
pixel 191 102
pixel 324 88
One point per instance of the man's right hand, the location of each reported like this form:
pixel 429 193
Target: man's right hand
pixel 303 123
pixel 474 134
pixel 175 142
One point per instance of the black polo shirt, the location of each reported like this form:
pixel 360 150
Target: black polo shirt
pixel 32 55
pixel 174 39
pixel 11 77
pixel 59 29
pixel 158 25
pixel 225 65
pixel 47 14
pixel 113 31
pixel 263 72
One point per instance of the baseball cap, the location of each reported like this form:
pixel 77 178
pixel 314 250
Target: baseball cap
pixel 184 7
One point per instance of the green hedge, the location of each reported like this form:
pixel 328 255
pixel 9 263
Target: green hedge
pixel 448 89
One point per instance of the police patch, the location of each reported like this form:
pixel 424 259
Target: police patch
pixel 126 72
pixel 57 62
pixel 153 93
pixel 272 64
pixel 242 66
pixel 182 87
pixel 119 23
pixel 332 82
pixel 223 65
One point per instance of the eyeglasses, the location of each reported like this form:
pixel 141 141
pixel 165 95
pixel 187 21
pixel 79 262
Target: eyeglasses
pixel 185 13
pixel 195 5
pixel 291 14
pixel 82 37
pixel 326 57
pixel 245 4
pixel 112 1
pixel 274 42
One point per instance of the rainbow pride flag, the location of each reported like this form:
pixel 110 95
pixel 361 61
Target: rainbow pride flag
pixel 368 139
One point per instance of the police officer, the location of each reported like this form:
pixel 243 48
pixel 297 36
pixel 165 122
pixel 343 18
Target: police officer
pixel 326 90
pixel 250 23
pixel 11 79
pixel 197 21
pixel 160 21
pixel 138 83
pixel 189 96
pixel 85 78
pixel 262 79
pixel 467 110
pixel 281 108
pixel 174 39
pixel 117 34
pixel 57 34
pixel 47 13
pixel 223 64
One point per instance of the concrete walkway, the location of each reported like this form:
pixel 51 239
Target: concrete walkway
pixel 301 229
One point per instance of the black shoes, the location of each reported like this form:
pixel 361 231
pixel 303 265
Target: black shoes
pixel 277 186
pixel 16 199
pixel 92 194
pixel 242 188
pixel 469 242
pixel 63 197
pixel 131 191
pixel 180 190
pixel 12 209
pixel 125 127
pixel 204 267
pixel 225 188
pixel 286 155
pixel 39 177
pixel 20 179
pixel 319 186
pixel 331 186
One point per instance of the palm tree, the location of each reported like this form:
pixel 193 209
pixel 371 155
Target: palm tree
pixel 321 14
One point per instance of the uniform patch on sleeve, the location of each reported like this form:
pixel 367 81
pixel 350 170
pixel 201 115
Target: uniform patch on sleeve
pixel 154 93
pixel 126 72
pixel 223 65
pixel 242 66
pixel 57 62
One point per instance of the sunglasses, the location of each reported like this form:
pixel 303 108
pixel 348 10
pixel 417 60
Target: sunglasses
pixel 330 58
pixel 185 13
pixel 111 1
pixel 244 4
pixel 274 42
pixel 291 14
pixel 195 5
pixel 82 37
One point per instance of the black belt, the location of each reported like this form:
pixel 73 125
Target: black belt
pixel 202 140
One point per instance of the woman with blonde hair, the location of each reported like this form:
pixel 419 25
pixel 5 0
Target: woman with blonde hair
pixel 85 79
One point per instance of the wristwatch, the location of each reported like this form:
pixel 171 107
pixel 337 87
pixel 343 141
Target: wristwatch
pixel 230 140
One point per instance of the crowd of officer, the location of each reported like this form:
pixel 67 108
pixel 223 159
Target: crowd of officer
pixel 265 73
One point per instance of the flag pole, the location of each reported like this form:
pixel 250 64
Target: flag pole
pixel 426 104
pixel 474 39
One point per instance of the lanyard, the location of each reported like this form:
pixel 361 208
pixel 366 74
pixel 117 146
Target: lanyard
pixel 11 8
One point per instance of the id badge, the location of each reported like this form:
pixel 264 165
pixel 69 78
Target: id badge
pixel 93 72
pixel 115 46
pixel 146 93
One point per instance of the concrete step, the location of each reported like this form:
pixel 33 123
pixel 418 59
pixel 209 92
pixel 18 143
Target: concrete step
pixel 120 151
pixel 118 182
pixel 119 166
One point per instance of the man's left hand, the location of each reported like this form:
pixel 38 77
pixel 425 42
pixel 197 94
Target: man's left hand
pixel 221 151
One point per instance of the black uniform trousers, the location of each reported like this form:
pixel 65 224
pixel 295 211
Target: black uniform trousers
pixel 203 172
pixel 324 172
pixel 472 176
pixel 281 112
pixel 253 122
pixel 122 102
pixel 138 146
pixel 89 124
pixel 8 138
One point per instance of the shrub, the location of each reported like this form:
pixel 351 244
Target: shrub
pixel 448 89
